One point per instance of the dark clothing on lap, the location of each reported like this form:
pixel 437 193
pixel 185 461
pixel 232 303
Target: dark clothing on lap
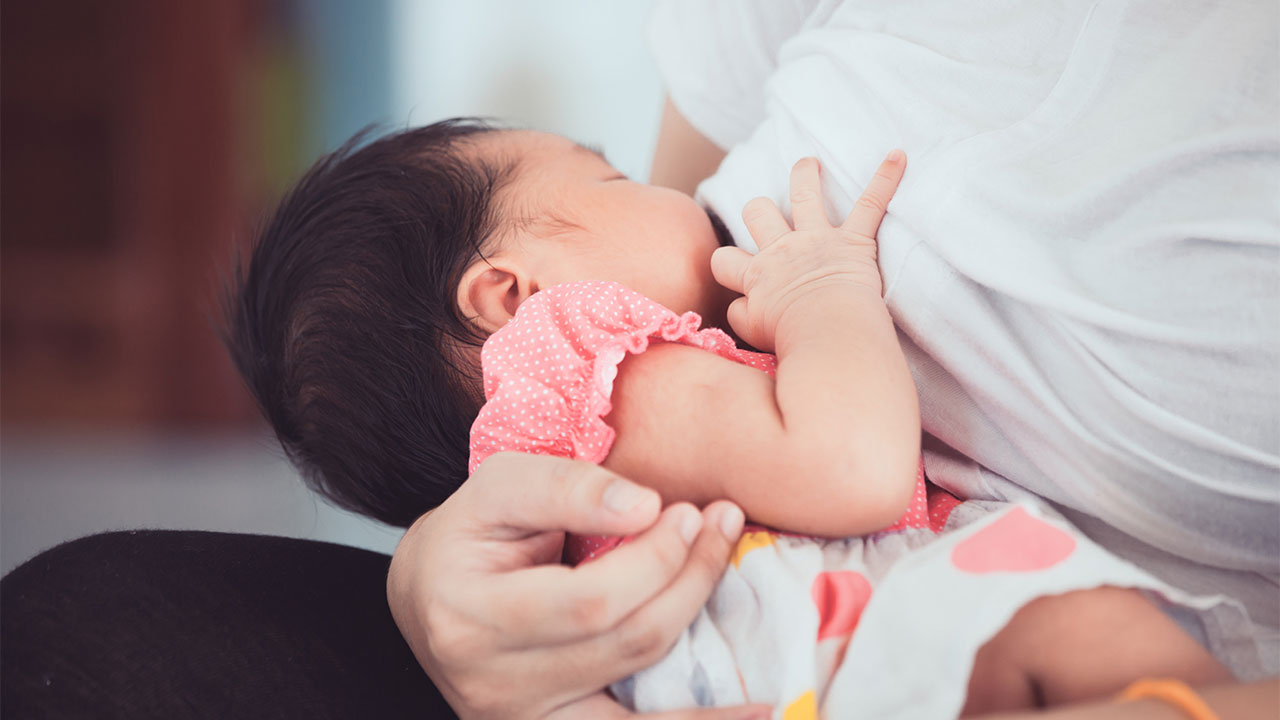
pixel 177 624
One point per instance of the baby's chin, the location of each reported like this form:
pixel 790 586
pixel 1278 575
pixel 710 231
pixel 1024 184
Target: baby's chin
pixel 717 314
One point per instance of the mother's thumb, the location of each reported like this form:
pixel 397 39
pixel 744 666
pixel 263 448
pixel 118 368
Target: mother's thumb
pixel 542 493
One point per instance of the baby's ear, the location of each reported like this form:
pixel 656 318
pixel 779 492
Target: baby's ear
pixel 490 293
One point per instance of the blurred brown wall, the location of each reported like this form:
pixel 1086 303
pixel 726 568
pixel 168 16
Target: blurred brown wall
pixel 121 193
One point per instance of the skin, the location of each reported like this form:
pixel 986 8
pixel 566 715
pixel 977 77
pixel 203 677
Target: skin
pixel 683 156
pixel 573 216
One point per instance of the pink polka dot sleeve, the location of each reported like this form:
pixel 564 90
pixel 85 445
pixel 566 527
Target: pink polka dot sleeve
pixel 548 374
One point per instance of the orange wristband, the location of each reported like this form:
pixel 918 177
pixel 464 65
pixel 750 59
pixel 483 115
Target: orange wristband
pixel 1174 692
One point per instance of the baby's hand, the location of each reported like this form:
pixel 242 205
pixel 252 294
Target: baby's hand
pixel 793 263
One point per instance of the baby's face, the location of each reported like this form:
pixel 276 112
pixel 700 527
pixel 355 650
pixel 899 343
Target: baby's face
pixel 587 221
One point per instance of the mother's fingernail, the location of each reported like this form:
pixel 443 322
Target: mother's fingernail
pixel 622 496
pixel 895 155
pixel 690 526
pixel 731 520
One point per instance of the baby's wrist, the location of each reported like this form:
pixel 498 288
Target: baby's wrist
pixel 828 305
pixel 832 288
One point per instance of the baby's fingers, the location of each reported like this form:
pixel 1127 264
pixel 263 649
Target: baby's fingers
pixel 764 221
pixel 806 196
pixel 871 206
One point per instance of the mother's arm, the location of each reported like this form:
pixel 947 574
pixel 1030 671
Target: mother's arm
pixel 683 157
pixel 506 632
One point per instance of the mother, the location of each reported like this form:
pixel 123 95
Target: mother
pixel 1083 266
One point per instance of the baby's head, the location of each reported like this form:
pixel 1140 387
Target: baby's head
pixel 358 319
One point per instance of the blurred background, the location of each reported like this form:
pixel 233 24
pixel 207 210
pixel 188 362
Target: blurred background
pixel 140 140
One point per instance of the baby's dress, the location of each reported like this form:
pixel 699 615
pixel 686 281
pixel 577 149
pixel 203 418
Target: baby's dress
pixel 884 625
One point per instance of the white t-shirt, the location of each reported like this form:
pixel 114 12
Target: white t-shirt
pixel 1083 259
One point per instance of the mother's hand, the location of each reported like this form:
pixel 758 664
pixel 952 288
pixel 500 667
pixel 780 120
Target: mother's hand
pixel 505 631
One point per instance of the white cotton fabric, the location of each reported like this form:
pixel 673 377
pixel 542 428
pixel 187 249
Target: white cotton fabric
pixel 1083 259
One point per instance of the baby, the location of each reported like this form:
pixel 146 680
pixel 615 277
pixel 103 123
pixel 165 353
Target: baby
pixel 862 590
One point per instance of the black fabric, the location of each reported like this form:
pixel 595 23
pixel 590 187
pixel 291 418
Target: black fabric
pixel 177 624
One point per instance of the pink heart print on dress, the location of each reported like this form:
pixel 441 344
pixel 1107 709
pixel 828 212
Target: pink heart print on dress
pixel 840 598
pixel 1017 542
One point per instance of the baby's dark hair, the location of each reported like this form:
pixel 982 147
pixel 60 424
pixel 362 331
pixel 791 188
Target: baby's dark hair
pixel 344 322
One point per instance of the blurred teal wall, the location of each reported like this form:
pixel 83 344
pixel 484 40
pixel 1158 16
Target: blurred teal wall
pixel 348 45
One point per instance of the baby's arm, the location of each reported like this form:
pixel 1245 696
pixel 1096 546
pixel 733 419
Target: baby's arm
pixel 831 446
